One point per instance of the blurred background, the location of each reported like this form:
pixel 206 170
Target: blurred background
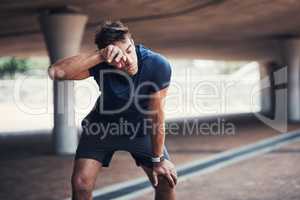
pixel 234 94
pixel 229 83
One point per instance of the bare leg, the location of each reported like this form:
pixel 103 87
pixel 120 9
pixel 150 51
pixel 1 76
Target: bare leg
pixel 83 179
pixel 163 191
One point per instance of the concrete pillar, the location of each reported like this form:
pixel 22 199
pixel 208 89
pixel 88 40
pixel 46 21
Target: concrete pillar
pixel 291 58
pixel 63 33
pixel 266 92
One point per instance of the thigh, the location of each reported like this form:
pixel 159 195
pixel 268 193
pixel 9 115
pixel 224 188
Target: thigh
pixel 91 148
pixel 141 150
pixel 86 169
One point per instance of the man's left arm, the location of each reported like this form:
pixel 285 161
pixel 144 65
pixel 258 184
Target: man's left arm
pixel 157 103
pixel 164 168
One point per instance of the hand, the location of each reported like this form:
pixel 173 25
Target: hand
pixel 114 55
pixel 166 169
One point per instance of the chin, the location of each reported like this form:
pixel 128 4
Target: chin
pixel 132 71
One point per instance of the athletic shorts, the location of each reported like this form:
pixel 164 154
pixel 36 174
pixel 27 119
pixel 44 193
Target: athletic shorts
pixel 102 150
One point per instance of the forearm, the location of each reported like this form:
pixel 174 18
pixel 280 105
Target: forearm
pixel 157 116
pixel 158 134
pixel 69 67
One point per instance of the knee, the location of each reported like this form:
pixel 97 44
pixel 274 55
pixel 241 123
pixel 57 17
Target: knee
pixel 163 185
pixel 82 183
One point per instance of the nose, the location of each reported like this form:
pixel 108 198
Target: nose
pixel 129 60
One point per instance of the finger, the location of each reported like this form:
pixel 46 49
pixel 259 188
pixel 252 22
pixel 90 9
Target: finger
pixel 119 65
pixel 155 179
pixel 124 58
pixel 110 50
pixel 116 53
pixel 123 61
pixel 102 53
pixel 174 177
pixel 122 64
pixel 118 56
pixel 113 54
pixel 174 171
pixel 170 180
pixel 107 51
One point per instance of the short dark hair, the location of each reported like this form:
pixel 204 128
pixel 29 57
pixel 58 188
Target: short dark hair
pixel 110 32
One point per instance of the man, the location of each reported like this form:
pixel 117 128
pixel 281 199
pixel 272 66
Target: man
pixel 133 81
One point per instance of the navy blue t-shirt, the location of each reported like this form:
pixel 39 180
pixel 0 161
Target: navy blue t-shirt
pixel 127 97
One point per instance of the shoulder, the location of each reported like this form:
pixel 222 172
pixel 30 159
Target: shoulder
pixel 154 61
pixel 158 69
pixel 160 66
pixel 159 59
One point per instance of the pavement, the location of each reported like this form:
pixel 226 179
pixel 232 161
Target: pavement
pixel 272 176
pixel 31 172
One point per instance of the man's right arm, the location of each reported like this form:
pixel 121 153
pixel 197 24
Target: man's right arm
pixel 74 67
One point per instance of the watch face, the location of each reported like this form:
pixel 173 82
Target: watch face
pixel 159 162
pixel 158 159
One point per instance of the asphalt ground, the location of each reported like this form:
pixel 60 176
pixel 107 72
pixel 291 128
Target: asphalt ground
pixel 31 172
pixel 271 176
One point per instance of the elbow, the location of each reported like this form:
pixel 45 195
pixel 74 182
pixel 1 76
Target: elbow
pixel 55 73
pixel 51 72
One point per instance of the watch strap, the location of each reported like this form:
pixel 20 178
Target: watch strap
pixel 156 161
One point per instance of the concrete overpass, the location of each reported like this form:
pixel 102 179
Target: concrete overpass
pixel 262 30
pixel 204 28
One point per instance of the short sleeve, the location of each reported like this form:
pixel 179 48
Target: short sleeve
pixel 94 71
pixel 161 73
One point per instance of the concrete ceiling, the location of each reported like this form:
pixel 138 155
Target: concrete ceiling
pixel 185 28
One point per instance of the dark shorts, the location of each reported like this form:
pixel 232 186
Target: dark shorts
pixel 102 150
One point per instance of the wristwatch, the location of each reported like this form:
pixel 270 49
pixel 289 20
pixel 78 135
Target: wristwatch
pixel 156 161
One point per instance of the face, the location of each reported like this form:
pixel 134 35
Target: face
pixel 128 48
